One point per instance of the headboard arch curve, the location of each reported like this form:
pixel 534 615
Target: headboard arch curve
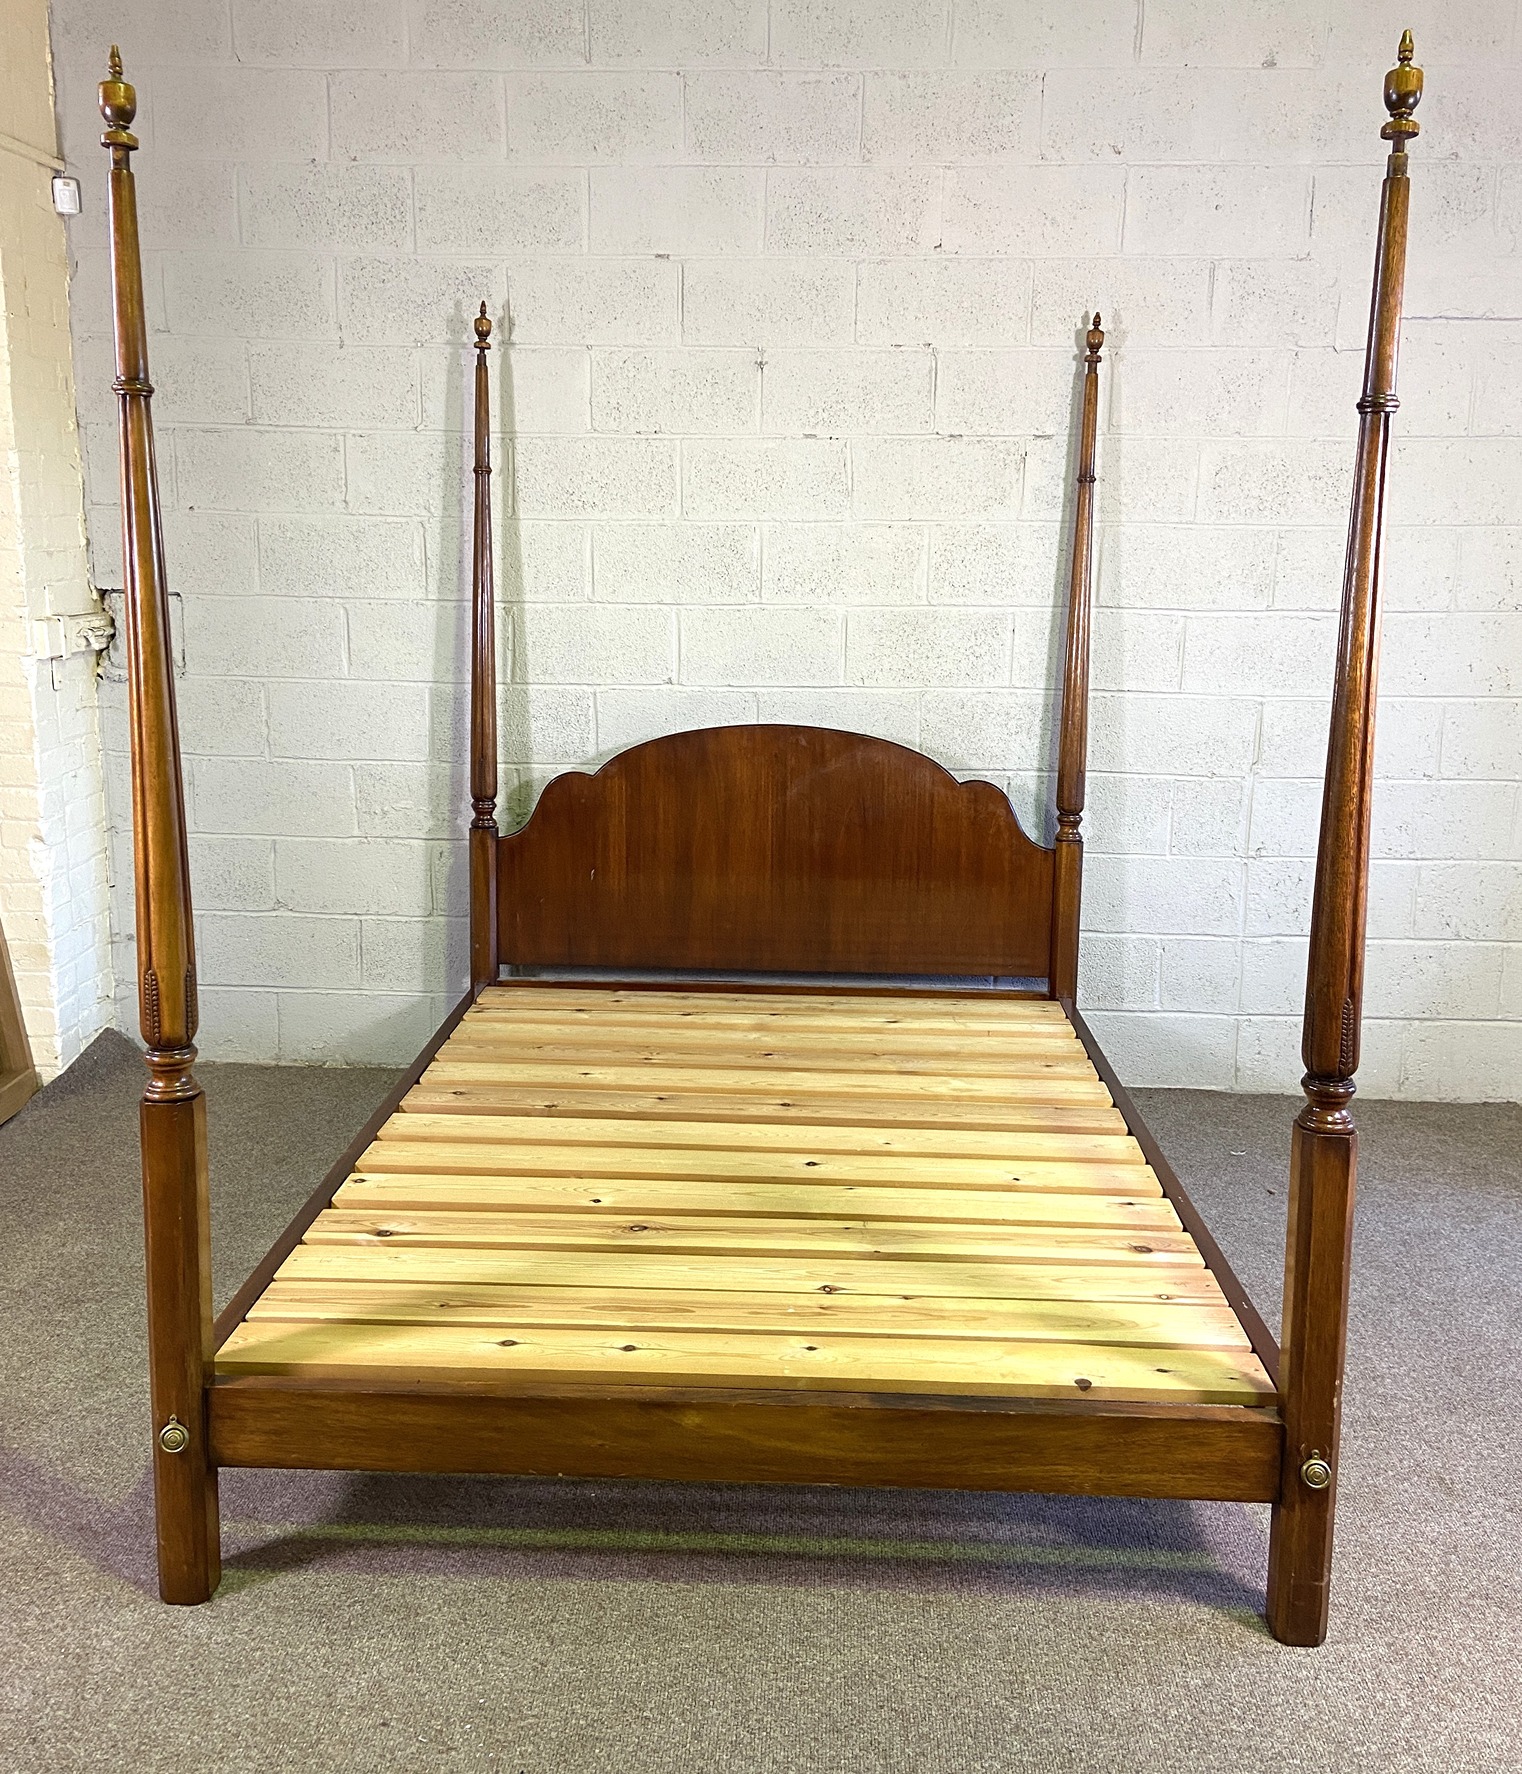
pixel 774 848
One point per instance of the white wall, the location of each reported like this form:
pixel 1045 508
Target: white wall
pixel 795 291
pixel 53 897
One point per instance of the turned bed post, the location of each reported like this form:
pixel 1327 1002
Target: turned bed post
pixel 483 692
pixel 173 1110
pixel 1324 1153
pixel 1074 742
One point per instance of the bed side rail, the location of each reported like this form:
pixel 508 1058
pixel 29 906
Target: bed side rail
pixel 1323 1161
pixel 173 1110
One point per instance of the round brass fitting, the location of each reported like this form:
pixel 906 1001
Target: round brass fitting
pixel 174 1437
pixel 1316 1474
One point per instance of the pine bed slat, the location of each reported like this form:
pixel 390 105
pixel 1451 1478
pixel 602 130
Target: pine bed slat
pixel 1054 1080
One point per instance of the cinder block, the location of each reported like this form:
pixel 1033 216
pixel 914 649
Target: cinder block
pixel 1200 974
pixel 1292 481
pixel 185 204
pixel 369 721
pixel 312 556
pixel 1139 650
pixel 1126 815
pixel 1460 480
pixel 1269 303
pixel 676 563
pixel 1436 979
pixel 547 722
pixel 232 874
pixel 1491 576
pixel 1172 735
pixel 260 470
pixel 409 643
pixel 844 564
pixel 765 477
pixel 570 119
pixel 297 33
pixel 595 644
pixel 263 637
pixel 730 33
pixel 190 107
pixel 1091 114
pixel 1482 739
pixel 986 730
pixel 400 472
pixel 1169 1050
pixel 486 34
pixel 414 955
pixel 1186 567
pixel 885 714
pixel 1143 302
pixel 595 477
pixel 948 303
pixel 685 209
pixel 936 477
pixel 411 800
pixel 277 949
pixel 1011 566
pixel 1469 901
pixel 414 301
pixel 495 210
pixel 862 391
pixel 199 381
pixel 600 302
pixel 383 875
pixel 852 210
pixel 1250 212
pixel 1219 393
pixel 962 649
pixel 857 33
pixel 355 1028
pixel 317 385
pixel 1163 896
pixel 368 208
pixel 180 31
pixel 762 646
pixel 683 391
pixel 426 116
pixel 951 117
pixel 1045 34
pixel 250 295
pixel 1259 653
pixel 541 389
pixel 1036 211
pixel 1117 972
pixel 1286 818
pixel 1464 1061
pixel 238 1024
pixel 628 717
pixel 766 118
pixel 545 563
pixel 1209 817
pixel 1457 654
pixel 1192 33
pixel 220 717
pixel 1009 393
pixel 761 301
pixel 1141 480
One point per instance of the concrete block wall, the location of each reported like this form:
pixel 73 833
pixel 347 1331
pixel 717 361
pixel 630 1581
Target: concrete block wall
pixel 793 290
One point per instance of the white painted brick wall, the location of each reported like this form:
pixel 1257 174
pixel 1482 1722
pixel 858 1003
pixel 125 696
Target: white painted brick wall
pixel 793 289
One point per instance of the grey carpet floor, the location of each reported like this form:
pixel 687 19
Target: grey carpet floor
pixel 532 1627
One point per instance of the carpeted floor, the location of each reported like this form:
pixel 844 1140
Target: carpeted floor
pixel 379 1624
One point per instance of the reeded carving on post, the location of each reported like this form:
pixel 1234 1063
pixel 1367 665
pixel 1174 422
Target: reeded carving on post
pixel 1334 976
pixel 165 939
pixel 483 689
pixel 1073 744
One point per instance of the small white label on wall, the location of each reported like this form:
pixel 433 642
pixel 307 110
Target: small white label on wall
pixel 65 195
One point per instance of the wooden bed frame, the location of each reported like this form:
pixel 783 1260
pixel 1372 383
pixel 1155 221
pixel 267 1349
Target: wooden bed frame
pixel 760 850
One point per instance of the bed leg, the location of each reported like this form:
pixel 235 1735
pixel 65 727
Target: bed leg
pixel 177 1225
pixel 1323 1167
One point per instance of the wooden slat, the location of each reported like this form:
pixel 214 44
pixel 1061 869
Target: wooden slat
pixel 390 1259
pixel 1029 1059
pixel 705 1026
pixel 807 1200
pixel 766 1111
pixel 941 1006
pixel 723 1237
pixel 1064 1081
pixel 825 1361
pixel 1144 1324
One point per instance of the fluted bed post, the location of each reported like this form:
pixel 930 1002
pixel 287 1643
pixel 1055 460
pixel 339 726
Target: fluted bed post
pixel 1073 746
pixel 483 692
pixel 173 1111
pixel 1324 1153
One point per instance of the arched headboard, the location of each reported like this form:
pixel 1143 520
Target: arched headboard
pixel 777 849
pixel 781 849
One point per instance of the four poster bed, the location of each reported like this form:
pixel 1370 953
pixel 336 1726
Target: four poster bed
pixel 763 1231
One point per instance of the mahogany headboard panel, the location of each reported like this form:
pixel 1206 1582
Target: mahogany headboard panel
pixel 775 849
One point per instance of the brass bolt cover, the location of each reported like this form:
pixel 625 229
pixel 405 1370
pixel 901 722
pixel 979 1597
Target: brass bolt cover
pixel 174 1437
pixel 1316 1473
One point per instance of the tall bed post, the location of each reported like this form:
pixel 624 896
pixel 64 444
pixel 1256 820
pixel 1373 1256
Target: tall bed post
pixel 173 1110
pixel 1073 747
pixel 483 692
pixel 1324 1152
